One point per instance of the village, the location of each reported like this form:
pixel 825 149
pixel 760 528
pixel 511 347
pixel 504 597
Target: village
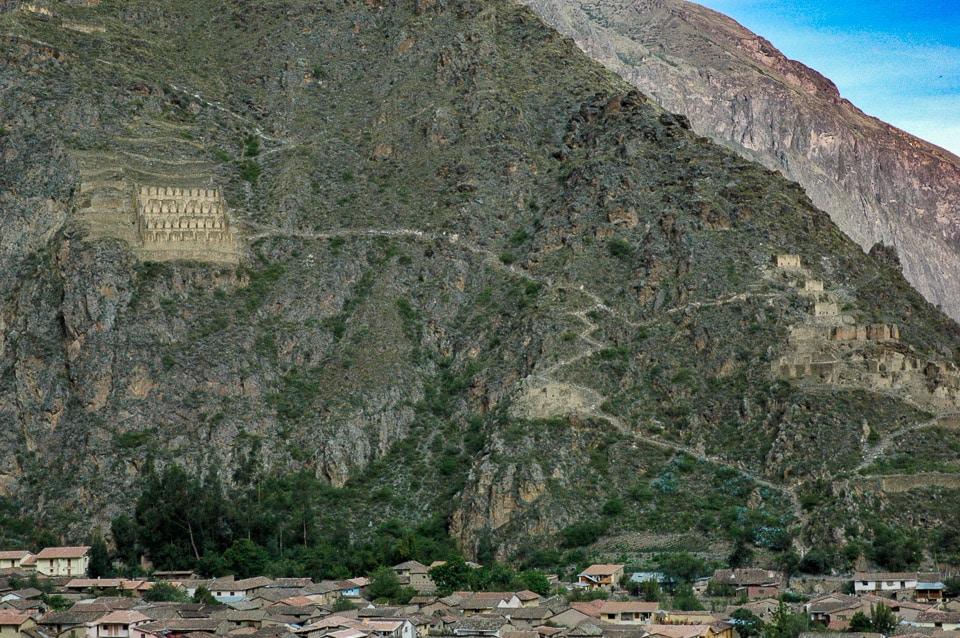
pixel 60 601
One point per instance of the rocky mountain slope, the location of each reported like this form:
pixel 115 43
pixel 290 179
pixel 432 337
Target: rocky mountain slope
pixel 433 256
pixel 879 184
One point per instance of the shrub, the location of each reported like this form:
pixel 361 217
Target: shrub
pixel 613 507
pixel 582 533
pixel 620 249
pixel 250 170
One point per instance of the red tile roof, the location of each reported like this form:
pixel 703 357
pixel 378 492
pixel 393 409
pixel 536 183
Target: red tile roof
pixel 63 552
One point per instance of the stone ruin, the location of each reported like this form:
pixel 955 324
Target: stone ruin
pixel 163 210
pixel 786 261
pixel 829 347
pixel 184 223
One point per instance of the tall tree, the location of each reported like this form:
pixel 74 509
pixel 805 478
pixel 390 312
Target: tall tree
pixel 99 565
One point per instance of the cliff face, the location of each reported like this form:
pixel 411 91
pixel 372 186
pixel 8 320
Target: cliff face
pixel 431 255
pixel 879 184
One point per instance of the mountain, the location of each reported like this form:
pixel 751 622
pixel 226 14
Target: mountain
pixel 292 271
pixel 879 184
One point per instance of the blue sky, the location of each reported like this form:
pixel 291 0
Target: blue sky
pixel 897 60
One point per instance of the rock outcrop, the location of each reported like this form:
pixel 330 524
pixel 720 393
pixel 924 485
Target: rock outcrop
pixel 878 183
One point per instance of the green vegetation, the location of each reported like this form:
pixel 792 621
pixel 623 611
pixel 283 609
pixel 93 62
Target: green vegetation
pixel 164 592
pixel 250 170
pixel 372 338
pixel 881 620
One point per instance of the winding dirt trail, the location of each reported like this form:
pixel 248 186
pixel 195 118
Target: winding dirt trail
pixel 585 336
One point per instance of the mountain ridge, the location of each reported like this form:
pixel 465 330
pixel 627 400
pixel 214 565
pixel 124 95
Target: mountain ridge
pixel 880 184
pixel 480 280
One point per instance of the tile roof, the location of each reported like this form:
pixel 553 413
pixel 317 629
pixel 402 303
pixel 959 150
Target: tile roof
pixel 412 566
pixel 526 613
pixel 70 617
pixel 601 570
pixel 742 577
pixel 183 625
pixel 16 554
pixel 679 631
pixel 939 616
pixel 12 618
pixel 297 601
pixel 590 608
pixel 627 607
pixel 63 552
pixel 877 576
pixel 123 617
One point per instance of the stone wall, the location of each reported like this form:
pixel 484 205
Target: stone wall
pixel 185 223
pixel 786 261
pixel 874 332
pixel 163 210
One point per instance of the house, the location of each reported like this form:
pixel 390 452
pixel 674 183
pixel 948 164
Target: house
pixel 323 593
pixel 12 624
pixel 179 627
pixel 389 628
pixel 628 613
pixel 22 594
pixel 351 588
pixel 228 590
pixel 63 561
pixel 930 592
pixel 600 576
pixel 763 608
pixel 482 626
pixel 752 583
pixel 686 618
pixel 833 608
pixel 99 584
pixel 907 610
pixel 526 617
pixel 713 630
pixel 487 601
pixel 117 624
pixel 14 559
pixel 71 623
pixel 944 620
pixel 866 582
pixel 416 575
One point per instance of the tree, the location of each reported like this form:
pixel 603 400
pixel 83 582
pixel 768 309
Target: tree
pixel 860 623
pixel 204 596
pixel 894 549
pixel 124 532
pixel 179 518
pixel 816 561
pixel 650 591
pixel 536 581
pixel 99 565
pixel 882 619
pixel 343 604
pixel 749 625
pixel 787 624
pixel 453 575
pixel 165 592
pixel 684 599
pixel 384 584
pixel 741 556
pixel 245 558
pixel 681 567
